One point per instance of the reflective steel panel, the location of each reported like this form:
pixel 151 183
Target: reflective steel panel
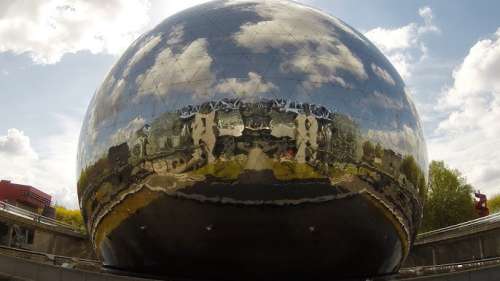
pixel 252 139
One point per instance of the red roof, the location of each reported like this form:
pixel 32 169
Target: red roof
pixel 25 194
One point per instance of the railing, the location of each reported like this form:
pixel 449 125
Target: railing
pixel 37 218
pixel 468 224
pixel 48 258
pixel 448 268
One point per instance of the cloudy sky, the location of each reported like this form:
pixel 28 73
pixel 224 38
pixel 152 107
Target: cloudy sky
pixel 55 53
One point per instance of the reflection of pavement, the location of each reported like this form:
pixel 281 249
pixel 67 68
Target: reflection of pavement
pixel 258 160
pixel 171 182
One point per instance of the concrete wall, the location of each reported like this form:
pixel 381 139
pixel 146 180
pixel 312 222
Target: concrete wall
pixel 443 250
pixel 48 239
pixel 62 244
pixel 12 268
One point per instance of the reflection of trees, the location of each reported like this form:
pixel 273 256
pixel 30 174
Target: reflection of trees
pixel 297 141
pixel 408 177
pixel 171 141
pixel 414 174
pixel 395 165
pixel 93 173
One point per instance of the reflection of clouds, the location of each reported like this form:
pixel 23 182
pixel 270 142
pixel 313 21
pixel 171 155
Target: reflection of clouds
pixel 176 34
pixel 346 28
pixel 324 68
pixel 124 134
pixel 147 47
pixel 100 140
pixel 382 100
pixel 306 9
pixel 406 141
pixel 117 92
pixel 268 48
pixel 322 58
pixel 413 109
pixel 243 87
pixel 103 104
pixel 170 69
pixel 383 74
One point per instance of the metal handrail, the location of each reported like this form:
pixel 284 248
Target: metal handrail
pixel 50 257
pixel 6 207
pixel 491 218
pixel 448 268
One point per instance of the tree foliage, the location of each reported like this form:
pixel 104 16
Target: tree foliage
pixel 494 204
pixel 449 198
pixel 72 217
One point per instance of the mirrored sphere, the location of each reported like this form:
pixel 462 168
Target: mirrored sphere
pixel 251 140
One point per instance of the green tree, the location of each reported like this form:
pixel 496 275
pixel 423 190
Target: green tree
pixel 449 199
pixel 494 204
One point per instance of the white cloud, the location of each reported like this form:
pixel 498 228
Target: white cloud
pixel 469 137
pixel 404 45
pixel 428 16
pixel 16 144
pixel 47 30
pixel 389 40
pixel 164 9
pixel 52 169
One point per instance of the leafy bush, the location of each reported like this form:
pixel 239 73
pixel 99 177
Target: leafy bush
pixel 494 204
pixel 72 217
pixel 449 198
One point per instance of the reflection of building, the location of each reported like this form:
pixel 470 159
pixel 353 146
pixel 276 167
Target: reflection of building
pixel 341 138
pixel 385 159
pixel 24 196
pixel 391 162
pixel 204 136
pixel 230 123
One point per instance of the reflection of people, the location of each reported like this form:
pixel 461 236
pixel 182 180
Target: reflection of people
pixel 204 136
pixel 140 143
pixel 306 137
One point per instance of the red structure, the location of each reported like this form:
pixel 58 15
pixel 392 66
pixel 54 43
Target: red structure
pixel 481 204
pixel 24 196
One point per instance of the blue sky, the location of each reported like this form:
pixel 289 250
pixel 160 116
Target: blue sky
pixel 55 53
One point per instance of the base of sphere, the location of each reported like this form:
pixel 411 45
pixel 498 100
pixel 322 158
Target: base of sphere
pixel 114 271
pixel 182 238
